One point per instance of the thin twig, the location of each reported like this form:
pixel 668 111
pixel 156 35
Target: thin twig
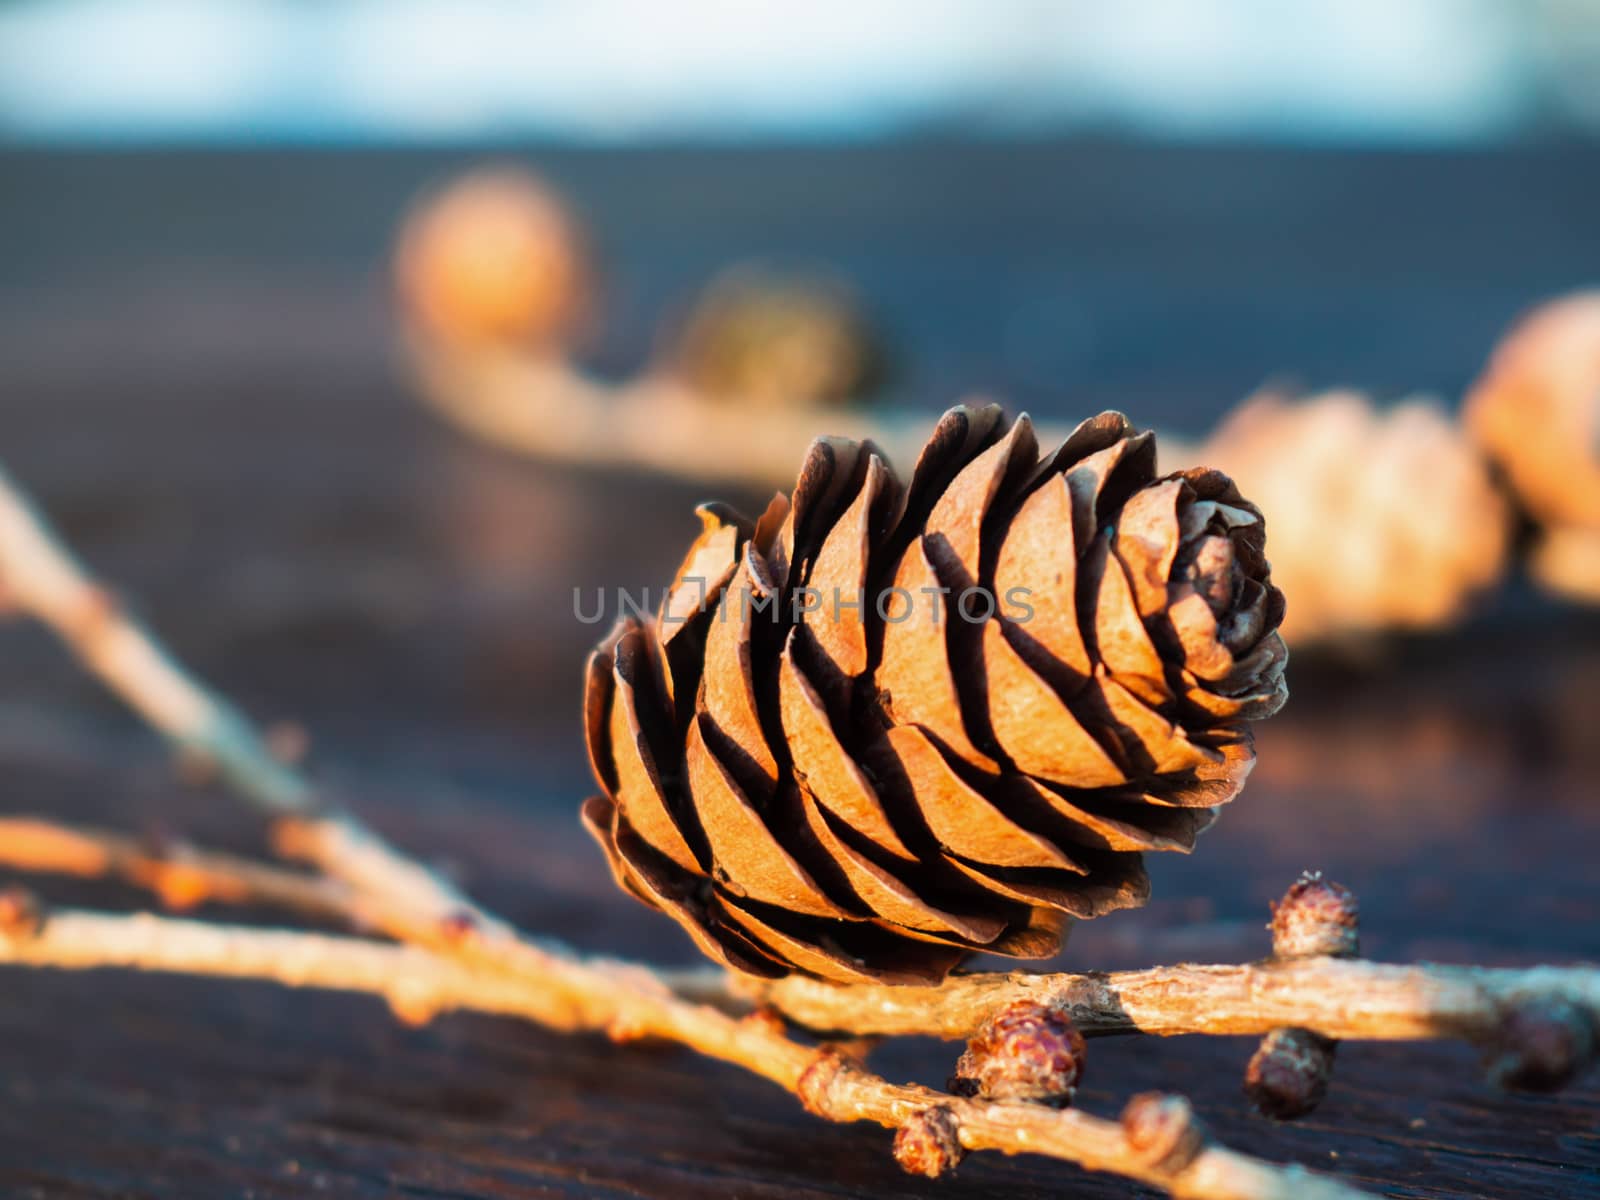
pixel 1342 998
pixel 1350 999
pixel 397 895
pixel 548 408
pixel 419 983
pixel 1338 998
pixel 40 577
pixel 178 873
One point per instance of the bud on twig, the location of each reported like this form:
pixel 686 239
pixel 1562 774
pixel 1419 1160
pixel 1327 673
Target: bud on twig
pixel 20 914
pixel 1316 917
pixel 815 1088
pixel 288 742
pixel 459 928
pixel 929 1143
pixel 1542 1045
pixel 1026 1052
pixel 1288 1074
pixel 1162 1130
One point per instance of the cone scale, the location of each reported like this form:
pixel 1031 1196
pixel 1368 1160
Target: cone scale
pixel 891 724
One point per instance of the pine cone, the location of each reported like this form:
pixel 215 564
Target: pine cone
pixel 876 791
pixel 772 341
pixel 1536 413
pixel 495 258
pixel 1382 520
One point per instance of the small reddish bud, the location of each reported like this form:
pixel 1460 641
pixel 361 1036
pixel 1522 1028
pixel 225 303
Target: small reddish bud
pixel 181 886
pixel 1162 1130
pixel 1289 1073
pixel 1028 1051
pixel 816 1085
pixel 20 914
pixel 1542 1044
pixel 765 1017
pixel 158 841
pixel 1316 918
pixel 458 927
pixel 624 1030
pixel 288 742
pixel 1288 1076
pixel 929 1143
pixel 194 767
pixel 415 1010
pixel 294 836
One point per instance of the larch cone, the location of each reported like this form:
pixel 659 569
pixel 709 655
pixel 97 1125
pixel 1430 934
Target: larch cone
pixel 495 259
pixel 1535 410
pixel 1384 519
pixel 887 725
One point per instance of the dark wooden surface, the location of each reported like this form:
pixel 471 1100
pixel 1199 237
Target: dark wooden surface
pixel 195 376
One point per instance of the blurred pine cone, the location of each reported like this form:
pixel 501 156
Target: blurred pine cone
pixel 495 258
pixel 765 340
pixel 1380 520
pixel 1536 412
pixel 876 791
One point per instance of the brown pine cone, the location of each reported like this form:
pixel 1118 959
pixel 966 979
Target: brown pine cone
pixel 1383 519
pixel 874 791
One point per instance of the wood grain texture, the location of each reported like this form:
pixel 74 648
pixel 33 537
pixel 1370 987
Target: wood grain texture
pixel 204 405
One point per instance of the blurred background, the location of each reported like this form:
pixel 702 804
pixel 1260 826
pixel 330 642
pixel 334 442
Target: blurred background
pixel 1157 205
pixel 1273 189
pixel 1436 71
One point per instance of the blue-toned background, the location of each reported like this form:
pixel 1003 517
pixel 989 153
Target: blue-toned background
pixel 251 71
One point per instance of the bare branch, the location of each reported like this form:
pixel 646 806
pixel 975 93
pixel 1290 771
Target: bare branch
pixel 1337 998
pixel 179 874
pixel 1345 998
pixel 418 983
pixel 547 408
pixel 40 577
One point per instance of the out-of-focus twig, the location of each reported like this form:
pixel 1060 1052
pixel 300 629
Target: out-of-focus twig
pixel 181 875
pixel 41 578
pixel 398 895
pixel 548 408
